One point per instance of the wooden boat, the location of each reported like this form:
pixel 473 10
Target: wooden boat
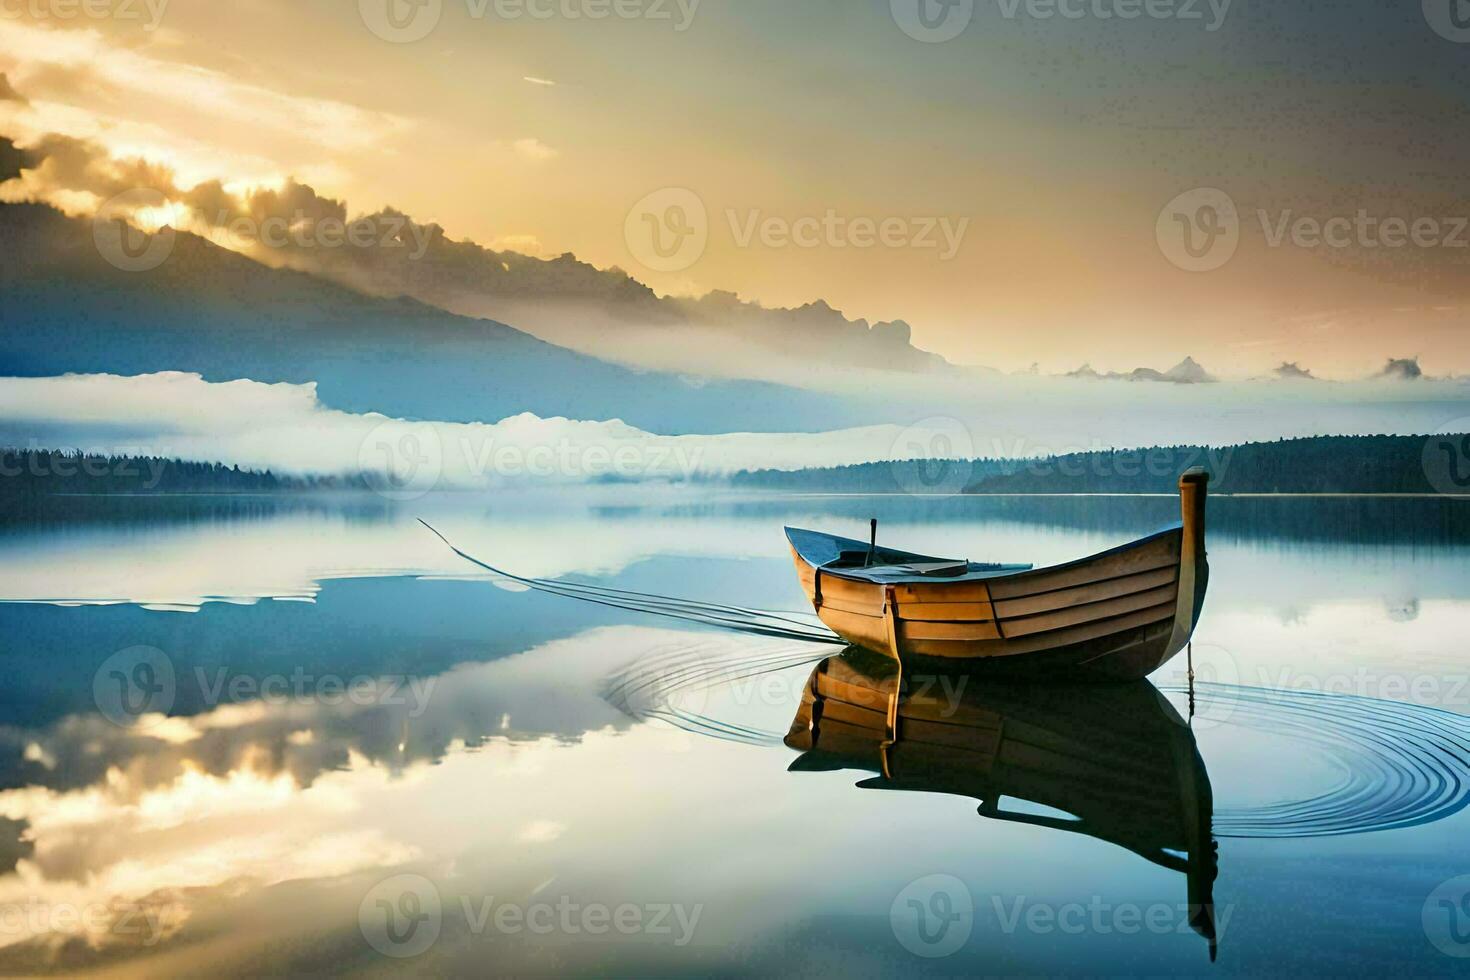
pixel 1120 614
pixel 1117 761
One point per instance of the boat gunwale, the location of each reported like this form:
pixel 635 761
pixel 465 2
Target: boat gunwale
pixel 1173 528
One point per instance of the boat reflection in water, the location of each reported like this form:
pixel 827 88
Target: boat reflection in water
pixel 1118 758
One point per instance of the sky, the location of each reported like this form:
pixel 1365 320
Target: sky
pixel 1018 192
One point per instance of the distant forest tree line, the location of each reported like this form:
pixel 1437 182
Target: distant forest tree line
pixel 29 474
pixel 1320 464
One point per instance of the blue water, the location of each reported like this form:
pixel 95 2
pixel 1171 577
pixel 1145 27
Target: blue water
pixel 294 735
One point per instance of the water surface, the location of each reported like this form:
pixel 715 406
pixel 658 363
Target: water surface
pixel 277 735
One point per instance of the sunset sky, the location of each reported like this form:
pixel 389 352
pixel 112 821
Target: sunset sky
pixel 1048 147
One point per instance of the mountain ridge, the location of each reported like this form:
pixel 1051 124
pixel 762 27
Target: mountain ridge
pixel 565 300
pixel 1186 372
pixel 219 313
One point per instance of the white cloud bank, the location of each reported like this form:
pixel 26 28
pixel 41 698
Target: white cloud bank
pixel 284 427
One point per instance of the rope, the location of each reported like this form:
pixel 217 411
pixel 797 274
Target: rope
pixel 739 619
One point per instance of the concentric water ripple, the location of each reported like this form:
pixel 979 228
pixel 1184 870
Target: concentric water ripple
pixel 671 684
pixel 1400 764
pixel 1397 764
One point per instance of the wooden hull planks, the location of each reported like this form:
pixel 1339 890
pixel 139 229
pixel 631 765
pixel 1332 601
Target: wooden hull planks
pixel 1120 614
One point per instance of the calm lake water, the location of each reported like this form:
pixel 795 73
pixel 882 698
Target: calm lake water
pixel 259 735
